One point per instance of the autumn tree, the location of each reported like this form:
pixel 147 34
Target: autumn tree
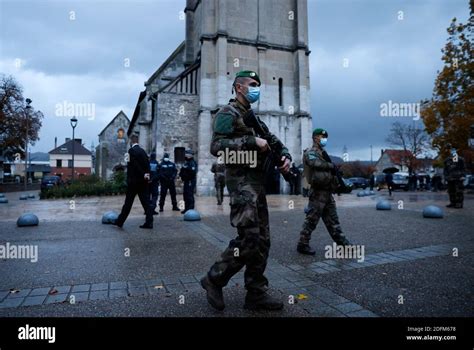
pixel 15 119
pixel 356 169
pixel 449 114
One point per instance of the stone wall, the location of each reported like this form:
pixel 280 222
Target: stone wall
pixel 176 123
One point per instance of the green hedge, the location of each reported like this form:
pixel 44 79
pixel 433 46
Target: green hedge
pixel 88 186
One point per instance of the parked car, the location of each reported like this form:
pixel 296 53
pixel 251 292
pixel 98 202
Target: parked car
pixel 50 181
pixel 349 186
pixel 359 182
pixel 400 181
pixel 469 182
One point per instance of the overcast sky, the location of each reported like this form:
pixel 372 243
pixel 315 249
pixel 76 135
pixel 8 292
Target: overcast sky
pixel 363 53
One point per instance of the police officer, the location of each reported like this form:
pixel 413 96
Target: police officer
pixel 167 174
pixel 320 172
pixel 454 174
pixel 248 206
pixel 219 180
pixel 154 182
pixel 188 175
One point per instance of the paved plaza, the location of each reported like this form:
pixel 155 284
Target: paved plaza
pixel 412 266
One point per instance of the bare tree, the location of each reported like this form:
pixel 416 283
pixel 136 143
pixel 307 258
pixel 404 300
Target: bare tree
pixel 412 140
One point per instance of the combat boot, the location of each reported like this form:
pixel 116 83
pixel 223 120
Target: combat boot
pixel 305 249
pixel 215 297
pixel 450 205
pixel 261 301
pixel 342 241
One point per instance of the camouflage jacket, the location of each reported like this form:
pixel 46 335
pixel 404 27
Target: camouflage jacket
pixel 319 173
pixel 231 133
pixel 218 170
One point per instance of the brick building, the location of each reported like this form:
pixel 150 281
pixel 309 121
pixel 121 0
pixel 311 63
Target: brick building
pixel 60 159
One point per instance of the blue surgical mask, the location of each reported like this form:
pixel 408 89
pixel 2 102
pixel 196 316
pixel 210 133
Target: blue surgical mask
pixel 253 94
pixel 323 142
pixel 166 159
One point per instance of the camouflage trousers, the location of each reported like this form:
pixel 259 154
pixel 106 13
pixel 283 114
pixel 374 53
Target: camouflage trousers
pixel 321 205
pixel 456 192
pixel 249 214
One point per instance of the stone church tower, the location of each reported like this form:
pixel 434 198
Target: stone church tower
pixel 176 108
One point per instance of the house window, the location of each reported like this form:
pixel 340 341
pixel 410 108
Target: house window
pixel 179 154
pixel 69 163
pixel 59 163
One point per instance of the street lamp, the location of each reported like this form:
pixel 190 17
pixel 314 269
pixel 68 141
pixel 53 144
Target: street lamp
pixel 28 108
pixel 73 124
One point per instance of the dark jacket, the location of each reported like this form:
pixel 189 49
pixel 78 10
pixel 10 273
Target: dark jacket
pixel 454 170
pixel 167 171
pixel 188 171
pixel 138 165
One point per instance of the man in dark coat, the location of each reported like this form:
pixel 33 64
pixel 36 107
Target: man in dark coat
pixel 138 177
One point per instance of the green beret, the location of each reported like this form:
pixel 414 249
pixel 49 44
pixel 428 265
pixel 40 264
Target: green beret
pixel 320 131
pixel 248 74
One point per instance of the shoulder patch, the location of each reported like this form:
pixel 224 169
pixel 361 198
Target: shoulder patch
pixel 311 155
pixel 223 123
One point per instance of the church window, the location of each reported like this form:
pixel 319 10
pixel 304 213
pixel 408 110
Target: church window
pixel 280 92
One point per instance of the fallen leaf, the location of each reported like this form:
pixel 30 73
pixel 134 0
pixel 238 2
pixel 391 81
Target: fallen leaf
pixel 158 287
pixel 53 291
pixel 301 296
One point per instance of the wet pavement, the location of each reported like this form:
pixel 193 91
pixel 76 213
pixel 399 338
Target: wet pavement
pixel 413 266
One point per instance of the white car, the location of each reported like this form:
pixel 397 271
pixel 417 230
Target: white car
pixel 400 180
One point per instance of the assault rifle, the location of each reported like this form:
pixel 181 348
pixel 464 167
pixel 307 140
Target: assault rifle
pixel 274 155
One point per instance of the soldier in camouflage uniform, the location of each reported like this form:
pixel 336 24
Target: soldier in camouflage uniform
pixel 218 170
pixel 320 173
pixel 248 206
pixel 454 174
